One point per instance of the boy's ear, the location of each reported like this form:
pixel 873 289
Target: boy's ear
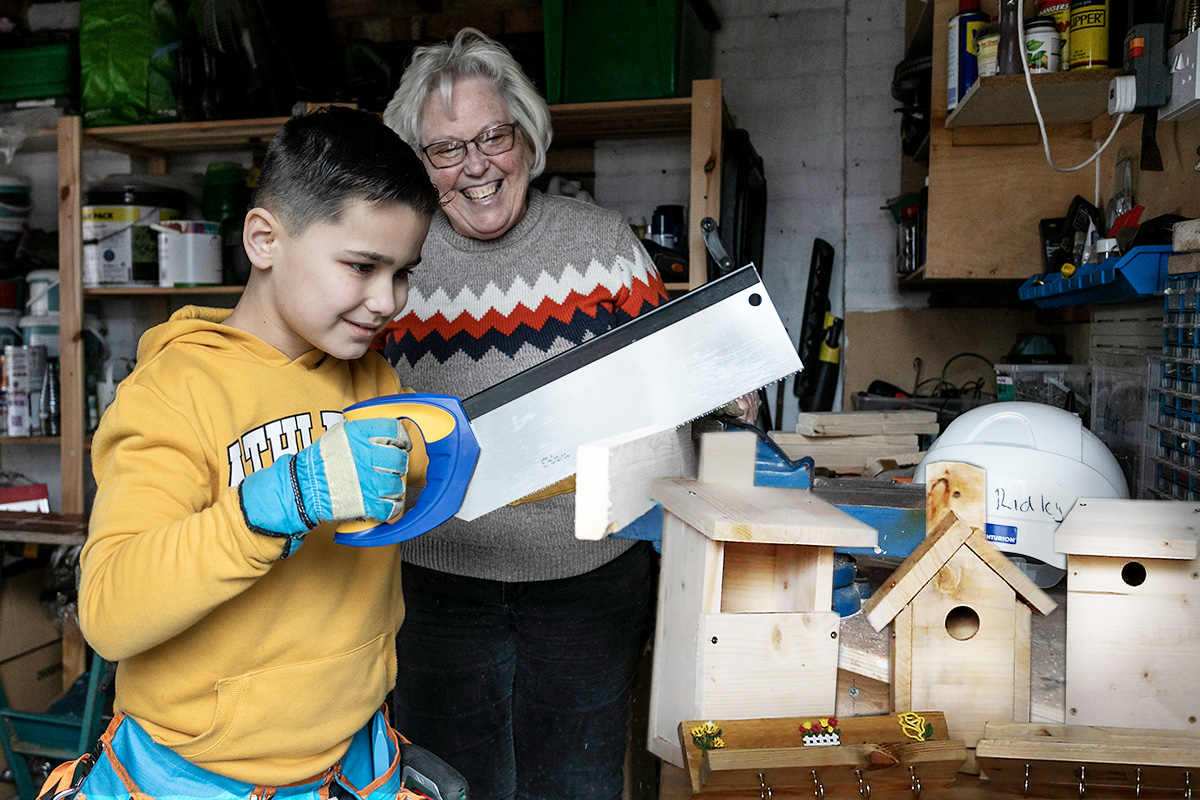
pixel 260 236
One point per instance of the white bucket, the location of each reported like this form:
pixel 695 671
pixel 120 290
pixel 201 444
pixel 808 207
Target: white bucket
pixel 41 329
pixel 43 291
pixel 189 253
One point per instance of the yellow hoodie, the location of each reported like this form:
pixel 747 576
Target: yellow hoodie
pixel 249 666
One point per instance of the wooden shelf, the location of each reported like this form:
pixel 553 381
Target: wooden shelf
pixel 1072 96
pixel 184 137
pixel 54 440
pixel 159 291
pixel 573 123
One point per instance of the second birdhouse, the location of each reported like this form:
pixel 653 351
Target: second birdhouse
pixel 961 614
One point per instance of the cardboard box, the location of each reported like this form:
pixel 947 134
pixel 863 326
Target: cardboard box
pixel 25 624
pixel 32 681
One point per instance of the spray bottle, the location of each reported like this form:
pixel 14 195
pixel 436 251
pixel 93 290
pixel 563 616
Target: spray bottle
pixel 962 65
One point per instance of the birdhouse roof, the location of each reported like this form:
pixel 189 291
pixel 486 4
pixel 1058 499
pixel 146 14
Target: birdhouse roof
pixel 937 548
pixel 1130 529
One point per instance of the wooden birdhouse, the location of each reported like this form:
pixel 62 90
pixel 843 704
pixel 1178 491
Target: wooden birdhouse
pixel 745 627
pixel 960 614
pixel 1133 613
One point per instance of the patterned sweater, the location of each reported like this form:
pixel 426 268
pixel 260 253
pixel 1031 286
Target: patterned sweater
pixel 480 312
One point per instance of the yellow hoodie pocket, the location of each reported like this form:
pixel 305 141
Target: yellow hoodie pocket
pixel 297 709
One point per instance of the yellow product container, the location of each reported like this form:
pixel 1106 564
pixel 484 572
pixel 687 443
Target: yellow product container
pixel 1088 40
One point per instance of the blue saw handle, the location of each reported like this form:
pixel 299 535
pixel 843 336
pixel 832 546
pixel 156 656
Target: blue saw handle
pixel 453 450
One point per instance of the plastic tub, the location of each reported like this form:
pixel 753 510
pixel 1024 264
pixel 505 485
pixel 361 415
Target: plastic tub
pixel 43 291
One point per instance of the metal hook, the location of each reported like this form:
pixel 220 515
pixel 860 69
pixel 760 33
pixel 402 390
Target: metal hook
pixel 819 791
pixel 764 788
pixel 1187 784
pixel 1025 788
pixel 1137 783
pixel 914 781
pixel 864 786
pixel 1082 777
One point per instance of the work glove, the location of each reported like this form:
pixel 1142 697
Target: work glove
pixel 354 471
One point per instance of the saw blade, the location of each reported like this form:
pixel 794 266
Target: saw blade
pixel 668 366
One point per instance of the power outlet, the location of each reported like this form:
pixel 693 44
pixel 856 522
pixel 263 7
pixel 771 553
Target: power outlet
pixel 1184 61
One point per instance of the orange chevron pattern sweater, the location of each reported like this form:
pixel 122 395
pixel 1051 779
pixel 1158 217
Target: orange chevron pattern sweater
pixel 480 312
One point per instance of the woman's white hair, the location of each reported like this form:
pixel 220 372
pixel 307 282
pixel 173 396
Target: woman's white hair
pixel 471 54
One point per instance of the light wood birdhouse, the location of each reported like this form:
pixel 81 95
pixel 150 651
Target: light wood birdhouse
pixel 745 627
pixel 1133 613
pixel 960 614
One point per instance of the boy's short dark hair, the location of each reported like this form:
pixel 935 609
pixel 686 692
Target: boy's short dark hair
pixel 320 160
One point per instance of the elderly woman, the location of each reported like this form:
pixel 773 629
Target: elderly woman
pixel 520 642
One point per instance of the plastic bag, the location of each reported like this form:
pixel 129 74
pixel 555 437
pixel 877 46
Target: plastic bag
pixel 128 60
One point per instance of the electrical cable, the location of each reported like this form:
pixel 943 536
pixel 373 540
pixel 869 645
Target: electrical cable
pixel 1037 111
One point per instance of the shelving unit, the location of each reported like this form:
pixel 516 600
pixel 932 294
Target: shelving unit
pixel 1075 96
pixel 701 117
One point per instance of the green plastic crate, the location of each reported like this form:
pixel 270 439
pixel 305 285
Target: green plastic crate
pixel 34 73
pixel 625 49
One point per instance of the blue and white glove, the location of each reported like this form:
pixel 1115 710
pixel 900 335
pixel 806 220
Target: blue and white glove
pixel 356 470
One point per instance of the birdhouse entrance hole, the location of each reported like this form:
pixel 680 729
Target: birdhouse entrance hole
pixel 962 623
pixel 1133 573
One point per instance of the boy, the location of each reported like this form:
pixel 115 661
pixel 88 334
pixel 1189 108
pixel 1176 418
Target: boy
pixel 254 652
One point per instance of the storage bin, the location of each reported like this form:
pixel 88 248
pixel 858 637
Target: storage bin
pixel 625 49
pixel 34 73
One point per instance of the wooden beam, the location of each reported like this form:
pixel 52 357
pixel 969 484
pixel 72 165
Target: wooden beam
pixel 611 476
pixel 853 423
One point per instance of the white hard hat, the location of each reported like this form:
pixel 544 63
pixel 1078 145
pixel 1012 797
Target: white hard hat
pixel 1039 460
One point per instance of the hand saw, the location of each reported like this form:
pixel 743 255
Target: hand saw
pixel 665 367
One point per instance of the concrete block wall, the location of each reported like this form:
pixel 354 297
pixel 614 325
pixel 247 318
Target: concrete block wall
pixel 811 82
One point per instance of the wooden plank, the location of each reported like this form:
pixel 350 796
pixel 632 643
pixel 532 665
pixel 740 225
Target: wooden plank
pixel 1006 569
pixel 1116 762
pixel 750 741
pixel 853 423
pixel 689 587
pixel 858 695
pixel 761 514
pixel 759 665
pixel 909 441
pixel 1130 529
pixel 1022 662
pixel 611 476
pixel 916 571
pixel 1132 648
pixel 70 303
pixel 708 119
pixel 727 457
pixel 902 661
pixel 961 488
pixel 885 766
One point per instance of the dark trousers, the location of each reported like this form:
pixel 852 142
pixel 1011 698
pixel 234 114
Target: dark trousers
pixel 524 687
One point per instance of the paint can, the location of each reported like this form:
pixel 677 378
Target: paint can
pixel 987 45
pixel 1041 45
pixel 962 65
pixel 189 253
pixel 119 246
pixel 1060 10
pixel 24 371
pixel 1089 34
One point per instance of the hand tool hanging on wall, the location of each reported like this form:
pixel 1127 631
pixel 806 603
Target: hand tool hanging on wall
pixel 812 330
pixel 828 364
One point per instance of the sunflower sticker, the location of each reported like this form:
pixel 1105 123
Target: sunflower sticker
pixel 707 736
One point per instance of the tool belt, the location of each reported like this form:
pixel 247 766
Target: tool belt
pixel 123 755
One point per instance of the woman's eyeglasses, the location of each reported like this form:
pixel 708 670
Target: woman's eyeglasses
pixel 453 152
